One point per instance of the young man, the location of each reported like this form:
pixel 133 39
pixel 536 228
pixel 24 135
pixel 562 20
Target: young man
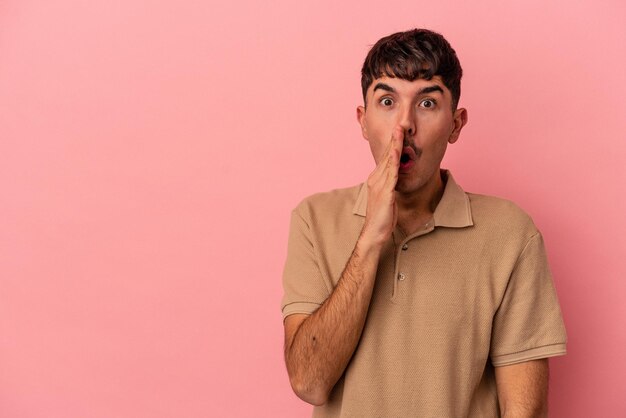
pixel 406 296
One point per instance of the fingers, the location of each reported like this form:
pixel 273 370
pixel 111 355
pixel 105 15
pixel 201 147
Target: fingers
pixel 395 144
pixel 395 150
pixel 397 139
pixel 397 133
pixel 382 211
pixel 384 161
pixel 390 160
pixel 391 172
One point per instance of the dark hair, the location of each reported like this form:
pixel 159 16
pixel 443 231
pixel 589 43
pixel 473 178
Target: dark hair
pixel 417 53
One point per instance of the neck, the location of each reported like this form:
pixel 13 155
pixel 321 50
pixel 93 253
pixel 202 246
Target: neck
pixel 421 204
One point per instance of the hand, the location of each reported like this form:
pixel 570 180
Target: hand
pixel 382 211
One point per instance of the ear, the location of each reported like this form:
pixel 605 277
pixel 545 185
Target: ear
pixel 360 117
pixel 460 119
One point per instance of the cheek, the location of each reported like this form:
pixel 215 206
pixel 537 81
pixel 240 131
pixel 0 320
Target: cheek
pixel 379 135
pixel 434 140
pixel 435 130
pixel 377 149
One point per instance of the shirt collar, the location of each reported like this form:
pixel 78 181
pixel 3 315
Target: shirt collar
pixel 453 210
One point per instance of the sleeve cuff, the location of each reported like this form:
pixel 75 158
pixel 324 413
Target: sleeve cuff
pixel 551 350
pixel 300 308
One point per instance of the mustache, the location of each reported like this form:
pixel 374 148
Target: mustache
pixel 410 144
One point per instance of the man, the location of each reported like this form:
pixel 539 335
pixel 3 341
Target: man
pixel 406 296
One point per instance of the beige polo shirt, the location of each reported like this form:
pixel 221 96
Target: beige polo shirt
pixel 470 291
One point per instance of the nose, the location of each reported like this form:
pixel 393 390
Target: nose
pixel 407 120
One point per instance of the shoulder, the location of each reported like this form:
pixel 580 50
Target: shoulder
pixel 332 202
pixel 501 214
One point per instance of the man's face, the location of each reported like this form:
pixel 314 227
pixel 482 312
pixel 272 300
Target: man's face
pixel 423 109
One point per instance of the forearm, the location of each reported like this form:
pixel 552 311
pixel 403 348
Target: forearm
pixel 320 350
pixel 319 347
pixel 523 389
pixel 531 411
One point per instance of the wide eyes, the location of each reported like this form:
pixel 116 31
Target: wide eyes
pixel 386 101
pixel 426 103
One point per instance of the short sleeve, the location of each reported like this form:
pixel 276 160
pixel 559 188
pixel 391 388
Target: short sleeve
pixel 303 284
pixel 528 324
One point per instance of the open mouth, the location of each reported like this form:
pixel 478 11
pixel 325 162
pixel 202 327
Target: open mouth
pixel 407 159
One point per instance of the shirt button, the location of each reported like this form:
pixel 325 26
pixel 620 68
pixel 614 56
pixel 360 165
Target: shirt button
pixel 405 247
pixel 401 276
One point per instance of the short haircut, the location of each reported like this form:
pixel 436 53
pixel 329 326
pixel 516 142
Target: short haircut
pixel 411 55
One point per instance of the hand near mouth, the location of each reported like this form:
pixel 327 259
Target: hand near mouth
pixel 382 211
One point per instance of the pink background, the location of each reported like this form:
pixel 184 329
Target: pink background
pixel 151 152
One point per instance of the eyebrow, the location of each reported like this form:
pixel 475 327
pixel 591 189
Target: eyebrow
pixel 425 90
pixel 385 87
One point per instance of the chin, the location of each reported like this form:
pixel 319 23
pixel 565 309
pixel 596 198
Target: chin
pixel 408 186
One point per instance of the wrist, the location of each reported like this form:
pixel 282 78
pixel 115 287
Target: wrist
pixel 369 246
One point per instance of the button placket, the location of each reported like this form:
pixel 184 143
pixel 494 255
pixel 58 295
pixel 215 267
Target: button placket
pixel 400 276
